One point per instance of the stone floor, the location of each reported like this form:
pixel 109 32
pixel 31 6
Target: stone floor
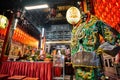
pixel 112 77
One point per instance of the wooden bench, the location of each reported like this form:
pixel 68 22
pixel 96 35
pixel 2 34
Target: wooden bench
pixel 16 77
pixel 29 78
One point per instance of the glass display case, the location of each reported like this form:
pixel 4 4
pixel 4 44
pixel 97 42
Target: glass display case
pixel 58 67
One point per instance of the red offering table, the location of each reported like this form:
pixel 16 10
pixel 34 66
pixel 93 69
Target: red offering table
pixel 41 70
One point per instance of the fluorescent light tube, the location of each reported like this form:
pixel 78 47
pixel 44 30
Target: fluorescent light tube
pixel 36 7
pixel 15 25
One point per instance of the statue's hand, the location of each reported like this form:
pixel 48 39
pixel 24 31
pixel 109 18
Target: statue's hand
pixel 99 51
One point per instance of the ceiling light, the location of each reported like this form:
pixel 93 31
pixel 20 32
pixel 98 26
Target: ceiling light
pixel 36 7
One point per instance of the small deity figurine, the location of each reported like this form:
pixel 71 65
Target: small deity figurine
pixel 86 48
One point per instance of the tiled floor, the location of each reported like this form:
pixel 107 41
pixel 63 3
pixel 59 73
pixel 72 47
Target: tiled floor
pixel 112 77
pixel 67 77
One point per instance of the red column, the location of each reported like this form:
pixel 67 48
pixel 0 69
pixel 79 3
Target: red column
pixel 7 40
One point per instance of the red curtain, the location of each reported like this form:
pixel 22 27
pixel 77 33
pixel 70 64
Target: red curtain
pixel 41 70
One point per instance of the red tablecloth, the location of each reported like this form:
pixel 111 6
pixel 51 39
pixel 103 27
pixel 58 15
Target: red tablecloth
pixel 41 70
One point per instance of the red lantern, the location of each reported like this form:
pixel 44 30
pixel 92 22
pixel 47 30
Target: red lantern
pixel 113 1
pixel 106 9
pixel 98 1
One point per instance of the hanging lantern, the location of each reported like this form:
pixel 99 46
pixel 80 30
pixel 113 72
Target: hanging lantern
pixel 3 22
pixel 73 15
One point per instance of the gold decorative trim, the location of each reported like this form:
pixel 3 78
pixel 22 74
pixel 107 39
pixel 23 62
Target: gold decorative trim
pixel 55 42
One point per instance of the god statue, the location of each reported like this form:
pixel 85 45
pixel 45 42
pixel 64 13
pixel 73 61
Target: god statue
pixel 86 45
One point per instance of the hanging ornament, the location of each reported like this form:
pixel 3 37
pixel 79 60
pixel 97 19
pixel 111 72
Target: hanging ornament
pixel 73 15
pixel 3 22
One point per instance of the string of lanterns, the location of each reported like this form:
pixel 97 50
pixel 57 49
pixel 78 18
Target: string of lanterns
pixel 108 11
pixel 24 38
pixel 21 36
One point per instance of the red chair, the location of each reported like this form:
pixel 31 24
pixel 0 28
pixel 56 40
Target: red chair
pixel 3 76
